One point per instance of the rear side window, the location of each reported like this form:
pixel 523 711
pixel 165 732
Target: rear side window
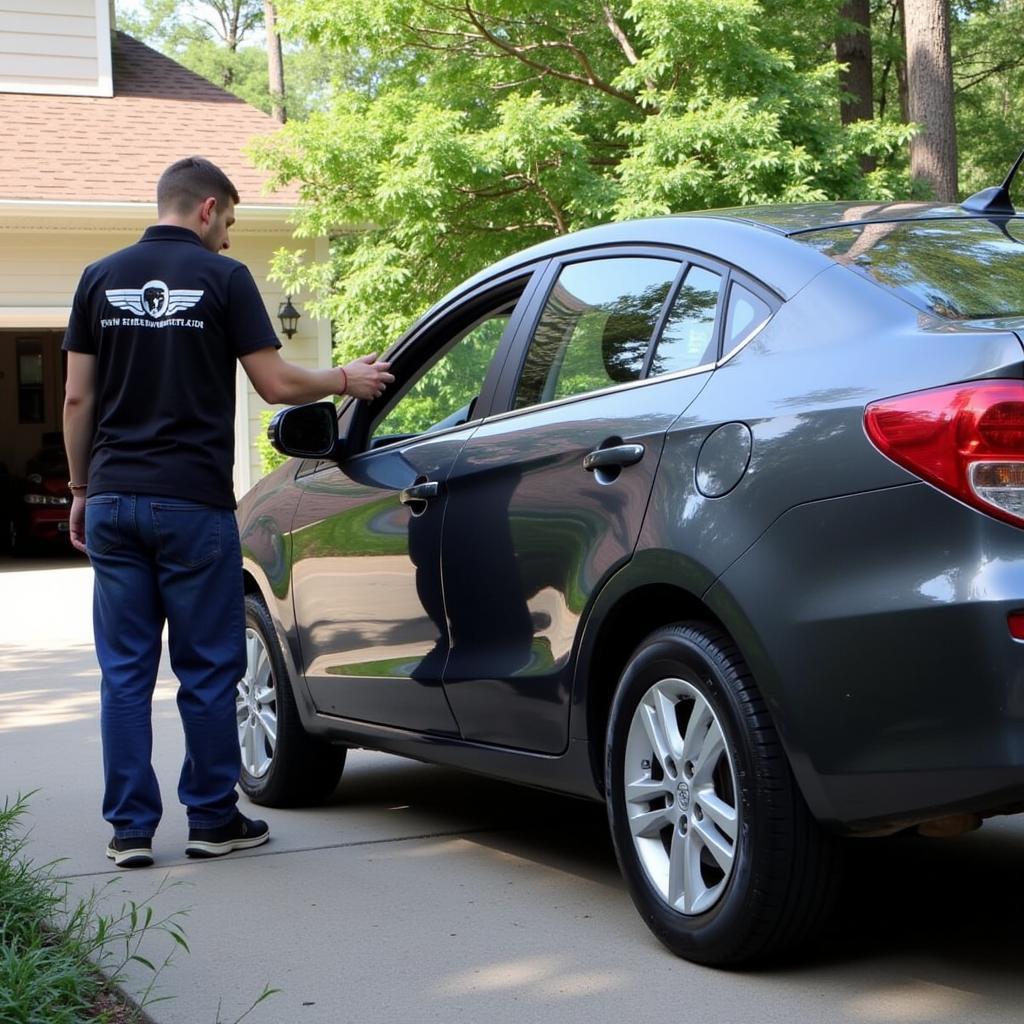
pixel 958 269
pixel 688 338
pixel 745 314
pixel 595 328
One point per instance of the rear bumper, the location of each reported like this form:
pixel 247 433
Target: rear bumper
pixel 876 626
pixel 48 524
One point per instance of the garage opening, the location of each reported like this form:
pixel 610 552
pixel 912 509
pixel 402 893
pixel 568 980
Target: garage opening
pixel 34 500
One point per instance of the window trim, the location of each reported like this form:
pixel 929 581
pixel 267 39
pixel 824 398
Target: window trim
pixel 765 295
pixel 541 277
pixel 724 283
pixel 356 418
pixel 539 301
pixel 502 409
pixel 506 309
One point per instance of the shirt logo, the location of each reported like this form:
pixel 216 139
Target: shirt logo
pixel 153 299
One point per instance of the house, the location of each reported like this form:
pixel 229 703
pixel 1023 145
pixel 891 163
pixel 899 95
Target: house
pixel 90 117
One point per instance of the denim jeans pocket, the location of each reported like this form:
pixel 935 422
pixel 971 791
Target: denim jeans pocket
pixel 101 532
pixel 187 534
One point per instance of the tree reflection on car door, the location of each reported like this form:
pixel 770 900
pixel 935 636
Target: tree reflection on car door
pixel 366 568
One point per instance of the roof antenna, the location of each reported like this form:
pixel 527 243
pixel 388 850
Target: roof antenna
pixel 994 199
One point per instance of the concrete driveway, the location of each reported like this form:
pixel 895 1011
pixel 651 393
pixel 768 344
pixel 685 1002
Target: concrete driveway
pixel 420 894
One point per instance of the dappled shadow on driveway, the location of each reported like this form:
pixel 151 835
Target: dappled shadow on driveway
pixel 917 917
pixel 953 903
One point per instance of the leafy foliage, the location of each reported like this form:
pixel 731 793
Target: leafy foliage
pixel 435 136
pixel 473 130
pixel 224 41
pixel 269 457
pixel 988 71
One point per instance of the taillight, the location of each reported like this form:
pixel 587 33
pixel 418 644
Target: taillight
pixel 967 439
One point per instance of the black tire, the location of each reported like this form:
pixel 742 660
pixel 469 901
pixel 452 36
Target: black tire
pixel 781 871
pixel 303 769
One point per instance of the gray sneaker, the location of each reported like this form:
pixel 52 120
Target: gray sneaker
pixel 240 833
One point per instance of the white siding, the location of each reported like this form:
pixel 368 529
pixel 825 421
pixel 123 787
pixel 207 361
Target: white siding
pixel 55 46
pixel 39 270
pixel 303 349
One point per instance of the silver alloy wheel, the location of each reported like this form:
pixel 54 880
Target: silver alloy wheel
pixel 256 708
pixel 681 802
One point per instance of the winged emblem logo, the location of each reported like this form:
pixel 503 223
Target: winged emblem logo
pixel 154 299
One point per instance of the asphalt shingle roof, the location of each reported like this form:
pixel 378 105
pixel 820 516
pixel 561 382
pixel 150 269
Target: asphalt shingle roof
pixel 94 148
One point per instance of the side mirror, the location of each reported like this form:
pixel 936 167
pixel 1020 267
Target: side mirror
pixel 305 431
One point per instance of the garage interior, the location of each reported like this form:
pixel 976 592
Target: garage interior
pixel 32 368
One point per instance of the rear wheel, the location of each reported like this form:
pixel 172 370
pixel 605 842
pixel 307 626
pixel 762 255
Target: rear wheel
pixel 722 857
pixel 282 765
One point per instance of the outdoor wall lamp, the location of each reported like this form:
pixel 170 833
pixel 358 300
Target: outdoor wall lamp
pixel 289 317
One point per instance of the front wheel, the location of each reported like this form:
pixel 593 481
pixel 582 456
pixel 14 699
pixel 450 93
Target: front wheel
pixel 720 853
pixel 282 765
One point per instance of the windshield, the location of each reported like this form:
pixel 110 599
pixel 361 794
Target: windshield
pixel 958 269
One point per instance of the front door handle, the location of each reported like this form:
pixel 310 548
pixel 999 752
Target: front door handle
pixel 619 455
pixel 419 492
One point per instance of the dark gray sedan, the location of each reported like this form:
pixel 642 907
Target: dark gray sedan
pixel 715 518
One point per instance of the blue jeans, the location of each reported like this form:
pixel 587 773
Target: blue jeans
pixel 155 560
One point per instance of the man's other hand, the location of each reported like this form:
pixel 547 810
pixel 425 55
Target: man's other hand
pixel 76 526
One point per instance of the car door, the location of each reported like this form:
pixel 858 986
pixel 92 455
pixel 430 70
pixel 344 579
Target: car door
pixel 366 538
pixel 546 499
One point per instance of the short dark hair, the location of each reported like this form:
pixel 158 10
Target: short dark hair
pixel 186 183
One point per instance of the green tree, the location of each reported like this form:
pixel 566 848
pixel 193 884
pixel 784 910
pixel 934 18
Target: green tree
pixel 988 69
pixel 208 37
pixel 224 41
pixel 462 131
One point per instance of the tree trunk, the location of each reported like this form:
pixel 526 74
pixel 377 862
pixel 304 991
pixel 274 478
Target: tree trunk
pixel 275 63
pixel 930 89
pixel 856 82
pixel 901 67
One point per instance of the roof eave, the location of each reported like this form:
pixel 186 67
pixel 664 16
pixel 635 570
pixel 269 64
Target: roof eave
pixel 130 213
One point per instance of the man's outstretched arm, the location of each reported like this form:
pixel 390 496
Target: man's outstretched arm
pixel 279 382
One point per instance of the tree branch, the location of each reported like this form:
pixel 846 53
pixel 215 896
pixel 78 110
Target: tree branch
pixel 562 227
pixel 483 193
pixel 995 69
pixel 518 53
pixel 499 86
pixel 623 40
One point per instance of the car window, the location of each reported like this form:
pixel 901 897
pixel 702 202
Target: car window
pixel 596 327
pixel 444 392
pixel 958 269
pixel 745 314
pixel 688 339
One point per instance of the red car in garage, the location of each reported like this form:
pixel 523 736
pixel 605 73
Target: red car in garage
pixel 38 504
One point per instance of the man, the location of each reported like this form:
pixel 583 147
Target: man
pixel 154 333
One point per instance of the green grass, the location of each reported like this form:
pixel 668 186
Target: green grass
pixel 46 976
pixel 61 960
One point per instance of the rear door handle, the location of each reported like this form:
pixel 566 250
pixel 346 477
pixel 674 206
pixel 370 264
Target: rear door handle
pixel 620 455
pixel 419 492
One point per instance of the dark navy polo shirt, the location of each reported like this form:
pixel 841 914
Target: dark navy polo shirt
pixel 166 319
